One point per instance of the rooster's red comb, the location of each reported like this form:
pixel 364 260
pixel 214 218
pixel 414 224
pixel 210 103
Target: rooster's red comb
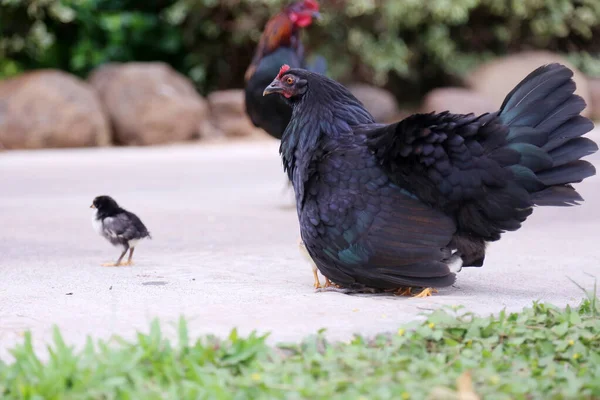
pixel 284 68
pixel 311 4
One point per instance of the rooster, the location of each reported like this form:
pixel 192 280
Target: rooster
pixel 407 205
pixel 279 44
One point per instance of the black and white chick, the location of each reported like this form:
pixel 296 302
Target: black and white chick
pixel 119 226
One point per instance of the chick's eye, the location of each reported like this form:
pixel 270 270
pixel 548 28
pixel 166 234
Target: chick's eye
pixel 289 80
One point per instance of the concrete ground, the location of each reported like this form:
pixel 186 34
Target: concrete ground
pixel 224 252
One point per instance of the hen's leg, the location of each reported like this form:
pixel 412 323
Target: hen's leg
pixel 315 271
pixel 317 283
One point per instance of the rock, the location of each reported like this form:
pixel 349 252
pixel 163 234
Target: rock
pixel 497 78
pixel 457 100
pixel 594 88
pixel 379 102
pixel 50 109
pixel 149 103
pixel 228 114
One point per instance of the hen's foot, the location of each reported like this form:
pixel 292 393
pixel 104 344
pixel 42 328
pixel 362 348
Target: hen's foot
pixel 408 291
pixel 329 284
pixel 403 291
pixel 426 292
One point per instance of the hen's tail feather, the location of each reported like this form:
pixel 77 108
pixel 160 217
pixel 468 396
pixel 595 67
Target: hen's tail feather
pixel 536 86
pixel 572 172
pixel 573 150
pixel 557 196
pixel 576 127
pixel 545 125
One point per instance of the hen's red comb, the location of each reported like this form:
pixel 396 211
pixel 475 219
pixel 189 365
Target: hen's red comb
pixel 284 68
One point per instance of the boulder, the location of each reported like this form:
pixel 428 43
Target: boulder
pixel 228 114
pixel 495 79
pixel 457 100
pixel 379 102
pixel 50 109
pixel 594 105
pixel 149 103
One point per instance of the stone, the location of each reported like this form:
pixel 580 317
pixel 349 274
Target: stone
pixel 457 100
pixel 50 109
pixel 228 114
pixel 594 105
pixel 379 102
pixel 496 78
pixel 150 103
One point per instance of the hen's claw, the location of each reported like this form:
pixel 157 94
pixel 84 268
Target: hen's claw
pixel 408 291
pixel 403 291
pixel 426 292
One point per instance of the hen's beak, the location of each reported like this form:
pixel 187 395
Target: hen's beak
pixel 92 206
pixel 274 87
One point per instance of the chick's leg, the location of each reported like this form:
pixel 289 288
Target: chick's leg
pixel 129 260
pixel 118 261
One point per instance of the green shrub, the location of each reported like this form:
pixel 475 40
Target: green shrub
pixel 413 42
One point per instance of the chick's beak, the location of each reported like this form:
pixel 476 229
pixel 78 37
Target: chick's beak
pixel 92 206
pixel 274 87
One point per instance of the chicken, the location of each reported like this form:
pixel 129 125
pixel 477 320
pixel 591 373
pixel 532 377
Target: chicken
pixel 407 205
pixel 119 226
pixel 279 44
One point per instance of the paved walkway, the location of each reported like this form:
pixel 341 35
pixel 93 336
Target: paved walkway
pixel 224 252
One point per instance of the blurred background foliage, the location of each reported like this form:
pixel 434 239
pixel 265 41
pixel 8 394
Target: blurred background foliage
pixel 418 43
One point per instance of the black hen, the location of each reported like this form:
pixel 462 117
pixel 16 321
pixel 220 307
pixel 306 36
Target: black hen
pixel 279 44
pixel 406 204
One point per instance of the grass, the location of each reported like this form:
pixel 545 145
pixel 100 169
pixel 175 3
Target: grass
pixel 542 352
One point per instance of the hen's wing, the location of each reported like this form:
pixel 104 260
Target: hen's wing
pixel 364 230
pixel 460 164
pixel 489 171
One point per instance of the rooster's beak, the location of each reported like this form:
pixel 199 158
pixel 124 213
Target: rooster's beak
pixel 274 87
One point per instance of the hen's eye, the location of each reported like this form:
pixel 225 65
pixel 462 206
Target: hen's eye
pixel 289 80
